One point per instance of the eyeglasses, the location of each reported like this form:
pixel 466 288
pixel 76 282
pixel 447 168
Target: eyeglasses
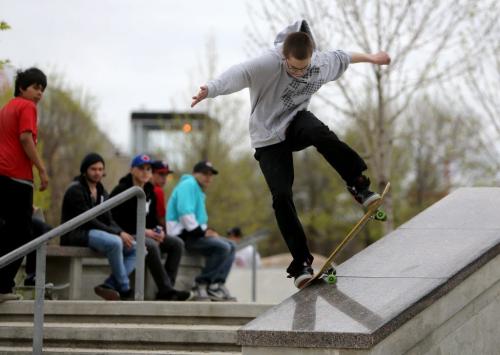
pixel 294 70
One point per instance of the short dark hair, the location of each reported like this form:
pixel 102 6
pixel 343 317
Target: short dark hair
pixel 298 45
pixel 26 78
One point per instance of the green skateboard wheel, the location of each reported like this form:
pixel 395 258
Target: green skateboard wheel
pixel 380 215
pixel 331 279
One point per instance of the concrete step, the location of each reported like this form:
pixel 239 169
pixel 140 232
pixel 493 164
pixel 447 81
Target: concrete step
pixel 97 351
pixel 129 336
pixel 147 312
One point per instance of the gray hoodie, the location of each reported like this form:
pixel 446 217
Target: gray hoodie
pixel 275 95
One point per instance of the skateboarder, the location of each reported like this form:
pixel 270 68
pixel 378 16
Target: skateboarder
pixel 281 83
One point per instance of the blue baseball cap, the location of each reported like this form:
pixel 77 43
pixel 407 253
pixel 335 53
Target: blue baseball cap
pixel 140 160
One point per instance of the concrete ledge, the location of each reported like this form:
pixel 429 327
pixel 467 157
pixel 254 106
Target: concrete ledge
pixel 391 282
pixel 124 336
pixel 71 251
pixel 144 308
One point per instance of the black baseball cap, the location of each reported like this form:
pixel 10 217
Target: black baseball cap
pixel 161 167
pixel 204 166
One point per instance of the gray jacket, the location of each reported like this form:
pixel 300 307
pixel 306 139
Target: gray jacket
pixel 275 95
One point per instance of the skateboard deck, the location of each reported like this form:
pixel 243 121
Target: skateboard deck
pixel 51 291
pixel 327 271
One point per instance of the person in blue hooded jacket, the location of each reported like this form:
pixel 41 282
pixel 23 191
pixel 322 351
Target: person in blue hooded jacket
pixel 187 218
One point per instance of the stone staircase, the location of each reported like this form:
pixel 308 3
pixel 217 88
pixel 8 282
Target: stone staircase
pixel 98 327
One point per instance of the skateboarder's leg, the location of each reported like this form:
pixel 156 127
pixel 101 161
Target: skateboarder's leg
pixel 306 130
pixel 276 163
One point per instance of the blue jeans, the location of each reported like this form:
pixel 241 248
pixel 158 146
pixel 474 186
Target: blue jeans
pixel 219 254
pixel 121 259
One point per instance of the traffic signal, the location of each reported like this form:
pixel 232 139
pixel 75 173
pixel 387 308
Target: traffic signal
pixel 187 127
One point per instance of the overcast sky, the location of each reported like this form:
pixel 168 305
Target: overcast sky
pixel 127 54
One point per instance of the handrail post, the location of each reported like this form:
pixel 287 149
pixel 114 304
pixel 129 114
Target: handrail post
pixel 140 248
pixel 41 253
pixel 254 272
pixel 39 244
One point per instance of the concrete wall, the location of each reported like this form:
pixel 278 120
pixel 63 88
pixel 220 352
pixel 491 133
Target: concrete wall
pixel 429 287
pixel 464 321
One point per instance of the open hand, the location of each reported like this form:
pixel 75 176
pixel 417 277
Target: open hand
pixel 202 94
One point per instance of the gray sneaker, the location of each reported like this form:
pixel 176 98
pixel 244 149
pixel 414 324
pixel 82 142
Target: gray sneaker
pixel 361 192
pixel 219 292
pixel 199 292
pixel 302 277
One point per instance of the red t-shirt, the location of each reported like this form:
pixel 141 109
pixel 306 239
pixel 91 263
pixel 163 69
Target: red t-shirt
pixel 16 117
pixel 160 202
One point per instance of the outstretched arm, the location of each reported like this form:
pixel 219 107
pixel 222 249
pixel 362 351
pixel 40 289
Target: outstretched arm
pixel 238 77
pixel 232 80
pixel 380 58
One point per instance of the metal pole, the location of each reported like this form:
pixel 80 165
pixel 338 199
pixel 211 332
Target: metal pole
pixel 254 272
pixel 141 248
pixel 39 299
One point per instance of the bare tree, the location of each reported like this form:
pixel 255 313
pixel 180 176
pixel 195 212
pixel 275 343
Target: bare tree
pixel 480 87
pixel 425 40
pixel 67 131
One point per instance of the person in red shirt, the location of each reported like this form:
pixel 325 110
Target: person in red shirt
pixel 18 138
pixel 159 180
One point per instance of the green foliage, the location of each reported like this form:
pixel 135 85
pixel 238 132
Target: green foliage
pixel 4 26
pixel 67 132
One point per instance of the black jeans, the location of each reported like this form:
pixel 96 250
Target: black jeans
pixel 276 163
pixel 164 275
pixel 16 206
pixel 39 227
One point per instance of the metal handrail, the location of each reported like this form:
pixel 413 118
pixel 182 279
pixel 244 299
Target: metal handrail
pixel 253 240
pixel 40 245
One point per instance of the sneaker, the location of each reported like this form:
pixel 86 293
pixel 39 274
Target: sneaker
pixel 219 292
pixel 200 293
pixel 10 297
pixel 361 193
pixel 303 276
pixel 127 295
pixel 106 292
pixel 215 293
pixel 175 295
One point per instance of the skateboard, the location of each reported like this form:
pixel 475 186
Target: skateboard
pixel 327 272
pixel 51 291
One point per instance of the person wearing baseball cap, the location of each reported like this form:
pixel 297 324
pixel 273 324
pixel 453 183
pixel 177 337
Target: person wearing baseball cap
pixel 161 170
pixel 156 241
pixel 187 218
pixel 204 166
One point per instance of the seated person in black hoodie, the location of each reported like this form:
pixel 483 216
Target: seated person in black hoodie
pixel 102 233
pixel 156 239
